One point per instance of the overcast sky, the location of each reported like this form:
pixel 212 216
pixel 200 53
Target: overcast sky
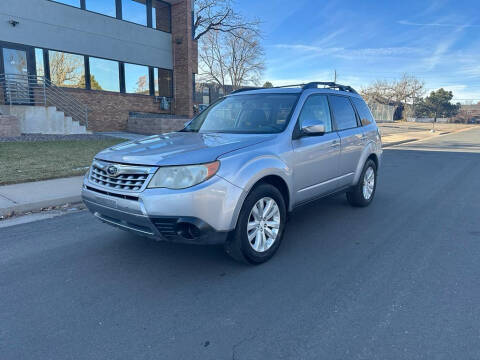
pixel 437 41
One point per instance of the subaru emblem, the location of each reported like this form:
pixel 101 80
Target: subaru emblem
pixel 112 170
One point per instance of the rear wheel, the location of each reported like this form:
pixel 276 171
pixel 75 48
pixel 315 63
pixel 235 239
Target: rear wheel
pixel 260 226
pixel 362 194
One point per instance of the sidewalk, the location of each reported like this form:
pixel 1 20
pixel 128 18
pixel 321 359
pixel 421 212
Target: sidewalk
pixel 21 198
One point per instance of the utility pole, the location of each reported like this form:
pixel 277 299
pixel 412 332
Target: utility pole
pixel 335 76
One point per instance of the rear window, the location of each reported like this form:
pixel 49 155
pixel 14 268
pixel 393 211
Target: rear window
pixel 364 112
pixel 343 112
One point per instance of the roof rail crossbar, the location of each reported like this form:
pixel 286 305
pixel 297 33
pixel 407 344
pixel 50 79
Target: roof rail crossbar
pixel 245 89
pixel 288 86
pixel 329 84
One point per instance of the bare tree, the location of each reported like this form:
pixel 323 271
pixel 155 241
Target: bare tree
pixel 66 69
pixel 235 58
pixel 220 16
pixel 142 85
pixel 405 90
pixel 405 93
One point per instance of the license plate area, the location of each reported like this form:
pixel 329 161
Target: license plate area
pixel 106 202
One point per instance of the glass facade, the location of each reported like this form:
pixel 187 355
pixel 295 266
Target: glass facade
pixel 15 61
pixel 163 82
pixel 75 3
pixel 67 69
pixel 135 11
pixel 39 64
pixel 104 75
pixel 137 79
pixel 105 7
pixel 82 71
pixel 161 16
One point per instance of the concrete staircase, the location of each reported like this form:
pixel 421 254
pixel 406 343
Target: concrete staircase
pixel 43 120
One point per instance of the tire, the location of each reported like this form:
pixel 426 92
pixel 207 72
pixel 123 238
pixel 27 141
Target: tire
pixel 251 251
pixel 356 196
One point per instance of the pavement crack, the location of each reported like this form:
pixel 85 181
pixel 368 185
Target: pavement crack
pixel 6 198
pixel 234 347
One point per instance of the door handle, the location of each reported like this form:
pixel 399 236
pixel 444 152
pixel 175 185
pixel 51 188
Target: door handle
pixel 335 143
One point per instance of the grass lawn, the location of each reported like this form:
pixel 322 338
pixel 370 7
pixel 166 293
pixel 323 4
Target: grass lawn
pixel 31 161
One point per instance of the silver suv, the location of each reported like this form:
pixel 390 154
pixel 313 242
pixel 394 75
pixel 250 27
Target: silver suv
pixel 237 169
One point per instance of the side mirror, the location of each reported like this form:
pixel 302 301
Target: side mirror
pixel 311 127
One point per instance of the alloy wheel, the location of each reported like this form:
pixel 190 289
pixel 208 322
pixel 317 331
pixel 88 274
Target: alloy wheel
pixel 263 224
pixel 368 183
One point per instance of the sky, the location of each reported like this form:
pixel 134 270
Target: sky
pixel 437 41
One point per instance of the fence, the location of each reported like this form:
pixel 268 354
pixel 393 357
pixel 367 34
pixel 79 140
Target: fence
pixel 382 112
pixel 428 120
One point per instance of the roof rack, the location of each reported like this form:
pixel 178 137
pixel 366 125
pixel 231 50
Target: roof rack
pixel 310 85
pixel 330 85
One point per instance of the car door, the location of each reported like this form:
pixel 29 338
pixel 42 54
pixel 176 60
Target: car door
pixel 352 138
pixel 315 158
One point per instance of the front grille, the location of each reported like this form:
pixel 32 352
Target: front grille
pixel 121 196
pixel 125 177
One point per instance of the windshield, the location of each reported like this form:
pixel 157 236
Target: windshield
pixel 246 114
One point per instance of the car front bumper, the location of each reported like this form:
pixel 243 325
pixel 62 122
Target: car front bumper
pixel 202 214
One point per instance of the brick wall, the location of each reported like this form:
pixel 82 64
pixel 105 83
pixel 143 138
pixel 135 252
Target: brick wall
pixel 108 111
pixel 184 57
pixel 9 126
pixel 150 124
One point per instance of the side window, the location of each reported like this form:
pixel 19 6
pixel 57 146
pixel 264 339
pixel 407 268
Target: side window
pixel 343 112
pixel 316 107
pixel 364 112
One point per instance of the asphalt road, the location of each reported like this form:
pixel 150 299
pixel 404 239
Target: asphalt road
pixel 397 280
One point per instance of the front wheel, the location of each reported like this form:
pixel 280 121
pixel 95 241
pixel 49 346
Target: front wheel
pixel 362 194
pixel 260 226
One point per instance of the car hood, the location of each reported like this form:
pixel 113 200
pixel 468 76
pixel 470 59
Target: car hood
pixel 179 148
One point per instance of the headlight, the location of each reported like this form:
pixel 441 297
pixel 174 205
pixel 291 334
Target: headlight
pixel 181 177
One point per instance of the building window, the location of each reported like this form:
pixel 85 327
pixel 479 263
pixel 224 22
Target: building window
pixel 75 3
pixel 66 69
pixel 135 11
pixel 206 95
pixel 161 15
pixel 105 7
pixel 39 64
pixel 104 75
pixel 163 82
pixel 136 79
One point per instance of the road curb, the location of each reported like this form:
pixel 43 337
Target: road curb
pixel 23 208
pixel 398 142
pixel 427 138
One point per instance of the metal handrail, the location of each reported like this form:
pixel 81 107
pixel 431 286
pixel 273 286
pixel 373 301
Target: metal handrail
pixel 38 90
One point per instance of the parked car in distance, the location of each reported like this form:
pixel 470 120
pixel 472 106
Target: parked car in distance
pixel 234 172
pixel 200 108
